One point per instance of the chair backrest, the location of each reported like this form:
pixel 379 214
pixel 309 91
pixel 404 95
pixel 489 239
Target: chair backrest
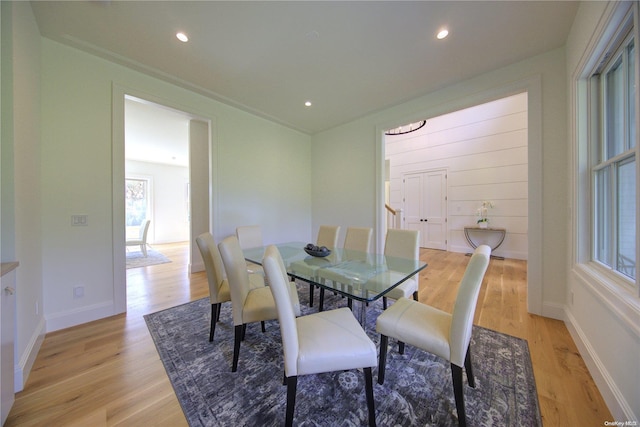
pixel 212 264
pixel 402 243
pixel 328 236
pixel 358 239
pixel 237 275
pixel 465 305
pixel 249 236
pixel 144 230
pixel 279 285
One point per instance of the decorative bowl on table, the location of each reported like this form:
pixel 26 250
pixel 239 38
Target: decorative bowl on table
pixel 317 251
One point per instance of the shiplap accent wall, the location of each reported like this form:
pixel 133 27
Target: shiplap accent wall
pixel 484 150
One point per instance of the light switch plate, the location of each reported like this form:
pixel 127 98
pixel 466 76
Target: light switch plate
pixel 79 220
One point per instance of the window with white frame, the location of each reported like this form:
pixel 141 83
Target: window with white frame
pixel 613 156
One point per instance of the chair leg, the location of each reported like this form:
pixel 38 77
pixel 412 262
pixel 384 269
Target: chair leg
pixel 292 383
pixel 368 387
pixel 415 296
pixel 384 303
pixel 215 312
pixel 456 374
pixel 311 295
pixel 321 303
pixel 263 328
pixel 236 347
pixel 244 331
pixel 468 367
pixel 400 347
pixel 350 304
pixel 382 362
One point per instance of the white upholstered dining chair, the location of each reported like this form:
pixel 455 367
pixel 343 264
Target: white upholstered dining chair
pixel 250 236
pixel 248 304
pixel 402 244
pixel 321 342
pixel 327 236
pixel 357 239
pixel 141 240
pixel 438 332
pixel 217 277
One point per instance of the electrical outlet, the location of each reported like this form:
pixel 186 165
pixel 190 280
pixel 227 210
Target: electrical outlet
pixel 78 292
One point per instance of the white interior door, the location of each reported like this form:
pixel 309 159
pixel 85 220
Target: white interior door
pixel 435 210
pixel 425 205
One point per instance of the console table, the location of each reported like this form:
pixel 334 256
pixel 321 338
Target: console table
pixel 496 235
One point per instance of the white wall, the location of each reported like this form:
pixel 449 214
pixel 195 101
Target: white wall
pixel 484 150
pixel 602 316
pixel 169 209
pixel 348 164
pixel 260 173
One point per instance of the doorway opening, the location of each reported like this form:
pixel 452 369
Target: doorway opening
pixel 442 172
pixel 161 170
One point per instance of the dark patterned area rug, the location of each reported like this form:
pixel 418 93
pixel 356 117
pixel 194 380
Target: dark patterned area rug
pixel 136 259
pixel 417 389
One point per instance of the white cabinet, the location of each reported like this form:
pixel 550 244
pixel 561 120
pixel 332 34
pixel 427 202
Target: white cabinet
pixel 7 337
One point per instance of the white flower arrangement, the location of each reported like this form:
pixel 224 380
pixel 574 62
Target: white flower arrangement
pixel 483 211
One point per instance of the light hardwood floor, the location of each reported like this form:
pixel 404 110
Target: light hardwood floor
pixel 108 373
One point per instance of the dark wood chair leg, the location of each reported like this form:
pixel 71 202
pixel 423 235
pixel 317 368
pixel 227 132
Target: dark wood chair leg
pixel 236 347
pixel 263 328
pixel 415 296
pixel 350 304
pixel 292 383
pixel 456 374
pixel 321 303
pixel 400 347
pixel 382 361
pixel 311 287
pixel 215 308
pixel 468 367
pixel 384 303
pixel 368 387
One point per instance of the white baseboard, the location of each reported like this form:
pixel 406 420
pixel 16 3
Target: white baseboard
pixel 28 358
pixel 620 409
pixel 553 310
pixel 77 316
pixel 196 267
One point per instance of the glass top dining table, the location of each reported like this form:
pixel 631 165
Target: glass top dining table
pixel 361 276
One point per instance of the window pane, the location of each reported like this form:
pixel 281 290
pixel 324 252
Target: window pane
pixel 603 217
pixel 626 262
pixel 615 113
pixel 631 88
pixel 136 201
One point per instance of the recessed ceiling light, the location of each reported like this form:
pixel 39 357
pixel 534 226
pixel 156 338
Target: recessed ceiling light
pixel 182 37
pixel 307 104
pixel 442 34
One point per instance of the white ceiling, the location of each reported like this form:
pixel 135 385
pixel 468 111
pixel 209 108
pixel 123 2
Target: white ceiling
pixel 155 134
pixel 348 58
